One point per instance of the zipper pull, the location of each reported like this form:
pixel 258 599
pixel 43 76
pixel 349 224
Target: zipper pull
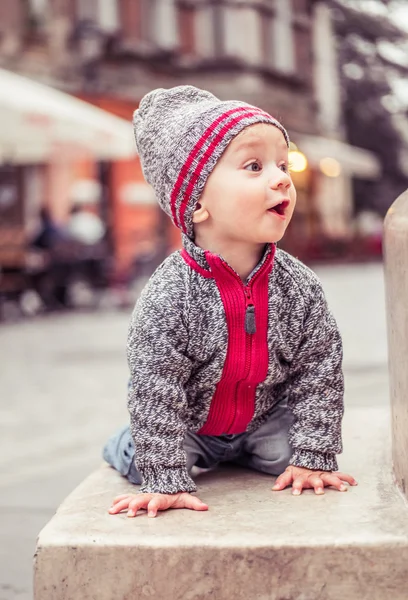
pixel 250 323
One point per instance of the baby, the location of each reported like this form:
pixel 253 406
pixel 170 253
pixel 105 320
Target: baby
pixel 233 353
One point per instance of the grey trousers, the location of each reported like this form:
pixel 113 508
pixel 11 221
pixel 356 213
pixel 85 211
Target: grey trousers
pixel 267 449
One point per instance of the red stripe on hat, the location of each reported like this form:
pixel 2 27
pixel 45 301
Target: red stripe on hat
pixel 198 146
pixel 207 155
pixel 196 149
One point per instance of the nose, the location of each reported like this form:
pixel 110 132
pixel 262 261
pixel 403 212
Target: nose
pixel 279 180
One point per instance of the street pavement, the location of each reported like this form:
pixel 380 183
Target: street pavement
pixel 63 392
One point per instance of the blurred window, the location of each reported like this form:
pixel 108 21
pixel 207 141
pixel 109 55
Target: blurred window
pixel 11 23
pixel 187 25
pixel 267 17
pixel 218 24
pixel 130 18
pixel 148 18
pixel 103 13
pixel 202 27
pixel 277 35
pixel 38 7
pixel 109 15
pixel 37 11
pixel 302 7
pixel 284 46
pixel 87 10
pixel 137 18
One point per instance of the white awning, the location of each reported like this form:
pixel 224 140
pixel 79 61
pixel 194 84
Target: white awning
pixel 355 161
pixel 36 121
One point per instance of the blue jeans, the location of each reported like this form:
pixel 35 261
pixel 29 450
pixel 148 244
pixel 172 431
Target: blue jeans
pixel 267 449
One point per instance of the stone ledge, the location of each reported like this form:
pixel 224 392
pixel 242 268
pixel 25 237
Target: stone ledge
pixel 251 544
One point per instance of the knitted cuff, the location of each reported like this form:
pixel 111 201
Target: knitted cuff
pixel 162 480
pixel 321 461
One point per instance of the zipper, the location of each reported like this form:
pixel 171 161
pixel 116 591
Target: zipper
pixel 241 391
pixel 250 330
pixel 248 356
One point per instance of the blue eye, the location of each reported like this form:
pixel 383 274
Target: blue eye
pixel 255 166
pixel 284 168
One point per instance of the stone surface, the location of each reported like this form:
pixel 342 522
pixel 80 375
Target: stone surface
pixel 396 279
pixel 63 384
pixel 252 543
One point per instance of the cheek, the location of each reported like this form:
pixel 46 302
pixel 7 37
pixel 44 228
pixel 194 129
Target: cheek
pixel 293 197
pixel 221 185
pixel 233 198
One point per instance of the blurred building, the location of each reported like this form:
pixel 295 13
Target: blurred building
pixel 278 54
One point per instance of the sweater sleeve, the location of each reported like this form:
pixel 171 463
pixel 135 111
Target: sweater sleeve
pixel 157 400
pixel 317 388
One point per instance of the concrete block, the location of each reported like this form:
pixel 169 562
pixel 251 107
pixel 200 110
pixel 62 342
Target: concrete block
pixel 396 284
pixel 252 543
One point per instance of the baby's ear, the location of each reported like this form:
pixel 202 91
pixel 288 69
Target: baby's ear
pixel 200 214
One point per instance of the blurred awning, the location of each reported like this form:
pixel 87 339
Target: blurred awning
pixel 355 161
pixel 36 121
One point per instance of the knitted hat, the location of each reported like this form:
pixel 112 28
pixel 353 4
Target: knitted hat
pixel 181 133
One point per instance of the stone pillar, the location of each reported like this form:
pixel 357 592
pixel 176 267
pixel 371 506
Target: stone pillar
pixel 396 284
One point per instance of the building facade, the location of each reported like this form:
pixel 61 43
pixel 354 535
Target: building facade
pixel 278 54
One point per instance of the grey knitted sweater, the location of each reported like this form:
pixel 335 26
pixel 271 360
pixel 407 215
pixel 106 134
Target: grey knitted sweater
pixel 213 355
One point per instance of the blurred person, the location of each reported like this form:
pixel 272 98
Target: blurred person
pixel 49 233
pixel 50 278
pixel 233 352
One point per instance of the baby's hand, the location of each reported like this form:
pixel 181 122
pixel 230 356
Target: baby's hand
pixel 301 478
pixel 154 502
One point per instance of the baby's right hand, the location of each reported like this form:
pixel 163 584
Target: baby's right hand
pixel 154 502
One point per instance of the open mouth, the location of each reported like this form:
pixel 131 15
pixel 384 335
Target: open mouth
pixel 280 208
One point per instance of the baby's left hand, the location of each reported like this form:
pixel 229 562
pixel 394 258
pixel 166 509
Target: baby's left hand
pixel 302 478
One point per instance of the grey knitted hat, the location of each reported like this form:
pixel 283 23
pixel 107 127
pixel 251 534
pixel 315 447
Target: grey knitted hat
pixel 181 133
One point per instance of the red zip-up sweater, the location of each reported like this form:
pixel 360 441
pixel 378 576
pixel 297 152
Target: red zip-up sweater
pixel 212 354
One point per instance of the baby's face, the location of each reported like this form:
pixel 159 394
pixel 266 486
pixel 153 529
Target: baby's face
pixel 250 195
